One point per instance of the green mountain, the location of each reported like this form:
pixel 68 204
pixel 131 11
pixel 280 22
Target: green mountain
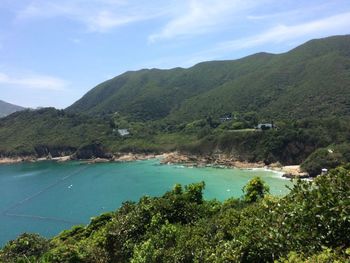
pixel 306 91
pixel 8 108
pixel 310 80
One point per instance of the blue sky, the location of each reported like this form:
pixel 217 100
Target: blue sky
pixel 54 51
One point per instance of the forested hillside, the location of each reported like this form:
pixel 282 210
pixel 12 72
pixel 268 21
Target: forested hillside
pixel 51 132
pixel 44 131
pixel 310 80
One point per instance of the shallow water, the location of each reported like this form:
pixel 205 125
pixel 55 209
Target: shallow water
pixel 48 197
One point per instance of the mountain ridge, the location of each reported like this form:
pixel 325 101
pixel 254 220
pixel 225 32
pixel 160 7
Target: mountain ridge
pixel 8 108
pixel 273 85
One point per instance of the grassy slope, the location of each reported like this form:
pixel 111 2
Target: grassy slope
pixel 312 79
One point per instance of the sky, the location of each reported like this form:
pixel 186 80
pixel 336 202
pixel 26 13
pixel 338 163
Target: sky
pixel 53 51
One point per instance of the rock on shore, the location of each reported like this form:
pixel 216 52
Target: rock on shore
pixel 217 160
pixel 293 171
pixel 222 160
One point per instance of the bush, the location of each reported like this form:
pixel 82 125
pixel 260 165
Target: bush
pixel 24 247
pixel 326 256
pixel 255 189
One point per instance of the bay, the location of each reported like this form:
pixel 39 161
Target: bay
pixel 48 197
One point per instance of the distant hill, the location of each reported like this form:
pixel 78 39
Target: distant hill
pixel 310 80
pixel 47 130
pixel 8 108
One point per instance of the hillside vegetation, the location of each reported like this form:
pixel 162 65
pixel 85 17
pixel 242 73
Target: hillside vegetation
pixel 47 131
pixel 305 92
pixel 55 132
pixel 310 224
pixel 26 132
pixel 310 80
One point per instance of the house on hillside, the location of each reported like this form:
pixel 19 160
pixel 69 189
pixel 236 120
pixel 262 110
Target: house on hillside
pixel 226 117
pixel 265 126
pixel 123 132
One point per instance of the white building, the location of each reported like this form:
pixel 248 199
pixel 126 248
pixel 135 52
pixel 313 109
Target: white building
pixel 123 132
pixel 262 126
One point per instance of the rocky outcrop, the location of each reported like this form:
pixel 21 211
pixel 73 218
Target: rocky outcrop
pixel 129 157
pixel 292 171
pixel 53 150
pixel 295 176
pixel 215 160
pixel 92 151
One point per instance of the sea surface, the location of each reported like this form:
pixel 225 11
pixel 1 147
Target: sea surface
pixel 48 197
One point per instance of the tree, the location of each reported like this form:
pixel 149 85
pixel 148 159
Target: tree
pixel 194 192
pixel 255 190
pixel 26 246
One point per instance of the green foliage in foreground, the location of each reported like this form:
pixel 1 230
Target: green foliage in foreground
pixel 255 190
pixel 310 224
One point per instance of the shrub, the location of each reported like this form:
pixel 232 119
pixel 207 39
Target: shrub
pixel 255 190
pixel 25 246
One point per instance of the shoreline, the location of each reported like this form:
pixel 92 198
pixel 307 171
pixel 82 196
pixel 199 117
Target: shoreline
pixel 224 161
pixel 217 161
pixel 118 157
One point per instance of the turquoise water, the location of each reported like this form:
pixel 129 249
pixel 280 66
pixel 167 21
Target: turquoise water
pixel 48 197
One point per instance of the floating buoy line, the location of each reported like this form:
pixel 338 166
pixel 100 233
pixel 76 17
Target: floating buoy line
pixel 7 212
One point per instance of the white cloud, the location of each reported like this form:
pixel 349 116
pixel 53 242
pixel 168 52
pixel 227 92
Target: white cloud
pixel 47 9
pixel 106 20
pixel 34 81
pixel 202 16
pixel 282 34
pixel 337 24
pixel 96 15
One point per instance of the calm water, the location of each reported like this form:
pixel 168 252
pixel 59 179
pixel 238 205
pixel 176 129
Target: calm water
pixel 48 197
